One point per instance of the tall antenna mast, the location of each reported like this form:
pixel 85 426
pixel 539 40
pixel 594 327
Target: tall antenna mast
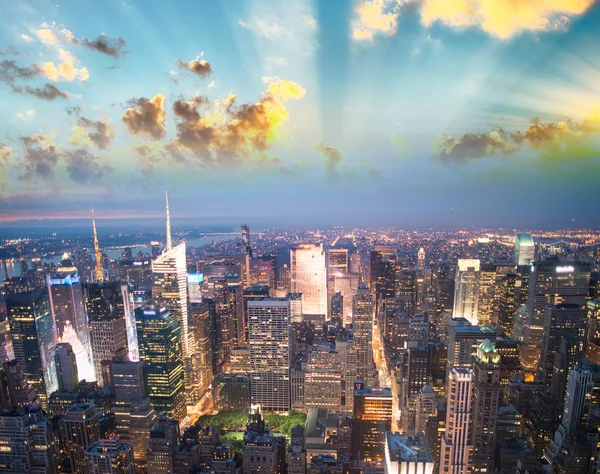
pixel 169 242
pixel 98 271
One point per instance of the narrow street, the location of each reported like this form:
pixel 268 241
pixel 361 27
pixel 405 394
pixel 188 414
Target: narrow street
pixel 386 378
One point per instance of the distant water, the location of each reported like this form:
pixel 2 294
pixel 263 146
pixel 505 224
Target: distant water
pixel 14 269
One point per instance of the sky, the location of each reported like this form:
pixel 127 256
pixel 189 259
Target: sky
pixel 412 113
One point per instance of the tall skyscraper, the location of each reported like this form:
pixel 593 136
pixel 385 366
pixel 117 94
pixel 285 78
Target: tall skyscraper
pixel 163 442
pixel 69 316
pixel 158 337
pixel 421 259
pixel 33 339
pixel 79 429
pixel 382 273
pixel 550 283
pixel 66 367
pixel 524 249
pixel 15 389
pixel 486 396
pixel 110 456
pixel 457 449
pixel 372 418
pixel 308 276
pixel 592 348
pixel 362 322
pixel 269 341
pixel 98 270
pixel 203 320
pixel 108 311
pixel 466 290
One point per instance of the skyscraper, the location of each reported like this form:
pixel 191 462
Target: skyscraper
pixel 108 310
pixel 466 290
pixel 32 334
pixel 66 367
pixel 269 341
pixel 79 429
pixel 308 276
pixel 421 259
pixel 372 418
pixel 457 449
pixel 158 337
pixel 362 322
pixel 382 273
pixel 110 456
pixel 486 396
pixel 162 445
pixel 550 283
pixel 524 249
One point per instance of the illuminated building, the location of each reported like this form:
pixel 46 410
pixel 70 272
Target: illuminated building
pixel 262 451
pixel 231 392
pixel 308 276
pixel 269 342
pixel 137 273
pixel 27 442
pixel 524 249
pixel 507 304
pixel 372 418
pixel 592 349
pixel 195 281
pixel 347 285
pixel 240 360
pixel 563 324
pixel 426 408
pixel 79 429
pixel 456 449
pixel 108 311
pixel 407 454
pixel 155 246
pixel 551 283
pixel 444 298
pixel 33 340
pixel 296 306
pixel 283 282
pixel 417 374
pixel 486 396
pixel 541 420
pixel 348 361
pixel 382 273
pixel 66 367
pixel 66 303
pixel 438 361
pixel 158 337
pixel 296 456
pixel 15 389
pixel 462 341
pixel 490 278
pixel 322 379
pixel 508 424
pixel 98 270
pixel 110 456
pixel 263 270
pixel 164 438
pixel 202 317
pixel 6 346
pixel 362 323
pixel 337 264
pixel 421 259
pixel 466 290
pixel 230 323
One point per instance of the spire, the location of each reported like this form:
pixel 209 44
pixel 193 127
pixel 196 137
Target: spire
pixel 98 271
pixel 169 243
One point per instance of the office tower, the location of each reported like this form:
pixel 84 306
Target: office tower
pixel 69 316
pixel 15 389
pixel 417 373
pixel 262 451
pixel 231 392
pixel 263 271
pixel 421 259
pixel 507 303
pixel 284 283
pixel 194 283
pixel 269 342
pixel 137 273
pixel 110 456
pixel 158 338
pixel 462 341
pixel 362 322
pixel 336 308
pixel 372 418
pixel 322 377
pixel 347 285
pixel 418 328
pixel 66 367
pixel 155 246
pixel 308 276
pixel 550 283
pixel 6 346
pixel 541 420
pixel 347 352
pixel 231 324
pixel 112 324
pixel 489 286
pixel 164 439
pixel 592 347
pixel 296 456
pixel 577 404
pixel 444 298
pixel 456 448
pixel 246 247
pixel 438 361
pixel 466 290
pixel 28 442
pixel 508 424
pixel 337 261
pixel 524 249
pixel 486 396
pixel 34 345
pixel 79 430
pixel 563 324
pixel 382 274
pixel 202 318
pixel 426 408
pixel 407 454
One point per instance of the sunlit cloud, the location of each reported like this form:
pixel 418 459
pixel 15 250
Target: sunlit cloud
pixel 146 117
pixel 198 66
pixel 26 38
pixel 375 17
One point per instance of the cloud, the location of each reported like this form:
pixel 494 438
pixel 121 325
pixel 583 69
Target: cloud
pixel 10 71
pixel 10 51
pixel 83 166
pixel 115 47
pixel 471 146
pixel 503 19
pixel 64 70
pixel 5 153
pixel 23 116
pixel 375 17
pixel 212 85
pixel 147 117
pixel 46 36
pixel 243 24
pixel 100 133
pixel 40 158
pixel 228 132
pixel 73 110
pixel 26 38
pixel 48 92
pixel 198 66
pixel 332 155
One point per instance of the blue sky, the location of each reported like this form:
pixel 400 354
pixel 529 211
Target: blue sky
pixel 438 112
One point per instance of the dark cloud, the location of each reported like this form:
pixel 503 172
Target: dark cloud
pixel 199 67
pixel 146 117
pixel 100 133
pixel 10 71
pixel 73 110
pixel 115 47
pixel 83 166
pixel 10 51
pixel 48 92
pixel 39 159
pixel 332 155
pixel 471 146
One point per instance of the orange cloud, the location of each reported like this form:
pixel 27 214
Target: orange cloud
pixel 147 117
pixel 503 18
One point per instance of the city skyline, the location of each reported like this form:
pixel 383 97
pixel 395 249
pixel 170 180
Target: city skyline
pixel 387 112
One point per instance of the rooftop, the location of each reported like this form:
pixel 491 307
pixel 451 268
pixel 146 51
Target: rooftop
pixel 404 447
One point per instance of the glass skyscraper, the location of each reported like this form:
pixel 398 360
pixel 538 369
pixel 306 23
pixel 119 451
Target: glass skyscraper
pixel 308 276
